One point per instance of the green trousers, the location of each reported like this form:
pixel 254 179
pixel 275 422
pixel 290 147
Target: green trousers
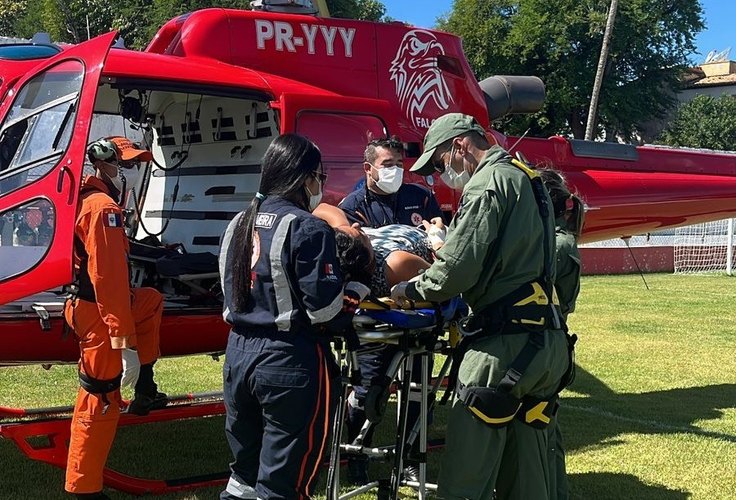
pixel 511 460
pixel 558 489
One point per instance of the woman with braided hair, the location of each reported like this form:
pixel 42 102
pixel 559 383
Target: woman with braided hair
pixel 569 215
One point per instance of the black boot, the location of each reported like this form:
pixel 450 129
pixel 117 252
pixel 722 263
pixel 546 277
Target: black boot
pixel 146 396
pixel 142 404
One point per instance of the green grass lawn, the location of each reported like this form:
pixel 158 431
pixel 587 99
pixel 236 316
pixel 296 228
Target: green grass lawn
pixel 651 415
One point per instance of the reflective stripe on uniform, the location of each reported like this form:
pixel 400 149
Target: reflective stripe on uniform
pixel 281 287
pixel 240 490
pixel 226 278
pixel 327 313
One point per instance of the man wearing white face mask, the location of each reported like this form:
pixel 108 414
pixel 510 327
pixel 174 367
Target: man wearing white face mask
pixel 513 360
pixel 385 199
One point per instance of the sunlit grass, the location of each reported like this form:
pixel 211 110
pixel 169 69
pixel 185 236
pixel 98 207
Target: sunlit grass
pixel 652 414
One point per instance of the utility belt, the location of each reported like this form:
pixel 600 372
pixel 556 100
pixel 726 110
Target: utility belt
pixel 318 334
pixel 100 387
pixel 527 310
pixel 497 408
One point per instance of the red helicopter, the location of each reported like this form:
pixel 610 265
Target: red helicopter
pixel 207 96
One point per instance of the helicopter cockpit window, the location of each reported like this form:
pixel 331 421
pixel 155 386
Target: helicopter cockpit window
pixel 36 131
pixel 25 236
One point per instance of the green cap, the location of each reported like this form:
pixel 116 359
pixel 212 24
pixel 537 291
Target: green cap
pixel 443 129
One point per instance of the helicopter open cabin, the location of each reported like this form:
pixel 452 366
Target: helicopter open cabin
pixel 207 96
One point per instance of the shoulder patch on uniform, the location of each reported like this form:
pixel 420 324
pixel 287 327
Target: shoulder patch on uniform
pixel 265 220
pixel 330 272
pixel 112 218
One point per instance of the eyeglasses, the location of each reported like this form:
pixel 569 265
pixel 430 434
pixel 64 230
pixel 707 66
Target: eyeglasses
pixel 321 176
pixel 438 163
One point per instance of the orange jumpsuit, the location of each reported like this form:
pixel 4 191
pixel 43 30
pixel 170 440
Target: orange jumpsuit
pixel 120 318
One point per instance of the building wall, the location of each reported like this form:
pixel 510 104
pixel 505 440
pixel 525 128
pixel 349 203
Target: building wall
pixel 619 260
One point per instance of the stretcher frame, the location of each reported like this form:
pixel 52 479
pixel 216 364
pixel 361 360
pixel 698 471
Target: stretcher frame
pixel 400 369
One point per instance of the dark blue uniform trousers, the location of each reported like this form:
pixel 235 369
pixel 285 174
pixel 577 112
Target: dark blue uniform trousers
pixel 280 396
pixel 374 360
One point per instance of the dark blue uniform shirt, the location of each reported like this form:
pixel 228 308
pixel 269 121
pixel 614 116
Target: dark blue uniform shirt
pixel 409 205
pixel 297 282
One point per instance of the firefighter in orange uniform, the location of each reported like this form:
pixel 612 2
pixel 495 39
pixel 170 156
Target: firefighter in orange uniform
pixel 117 327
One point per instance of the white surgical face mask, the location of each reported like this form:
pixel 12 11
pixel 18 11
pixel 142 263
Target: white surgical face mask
pixel 314 199
pixel 118 183
pixel 453 179
pixel 390 178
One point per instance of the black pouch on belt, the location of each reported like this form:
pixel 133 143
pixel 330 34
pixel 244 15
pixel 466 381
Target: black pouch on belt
pixel 493 407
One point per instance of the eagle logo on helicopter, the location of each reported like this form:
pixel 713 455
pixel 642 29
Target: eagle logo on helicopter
pixel 418 79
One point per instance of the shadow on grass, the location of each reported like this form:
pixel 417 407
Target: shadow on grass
pixel 598 485
pixel 175 450
pixel 659 412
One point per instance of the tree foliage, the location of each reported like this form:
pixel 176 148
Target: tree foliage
pixel 367 10
pixel 137 21
pixel 9 12
pixel 705 122
pixel 560 42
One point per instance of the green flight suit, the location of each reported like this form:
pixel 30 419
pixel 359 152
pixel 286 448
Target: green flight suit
pixel 495 244
pixel 567 284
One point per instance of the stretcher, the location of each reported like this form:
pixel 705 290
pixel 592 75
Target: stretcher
pixel 417 331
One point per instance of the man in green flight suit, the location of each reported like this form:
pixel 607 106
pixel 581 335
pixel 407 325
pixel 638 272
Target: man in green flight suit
pixel 499 254
pixel 569 215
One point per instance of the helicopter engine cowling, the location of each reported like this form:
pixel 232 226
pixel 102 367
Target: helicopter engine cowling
pixel 506 95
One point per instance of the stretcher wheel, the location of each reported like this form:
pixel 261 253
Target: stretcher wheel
pixel 376 401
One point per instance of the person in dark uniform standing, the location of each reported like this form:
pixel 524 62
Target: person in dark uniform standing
pixel 284 295
pixel 569 215
pixel 381 201
pixel 384 198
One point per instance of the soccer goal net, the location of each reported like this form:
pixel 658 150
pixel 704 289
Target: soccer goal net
pixel 705 248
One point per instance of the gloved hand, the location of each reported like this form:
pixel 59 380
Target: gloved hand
pixel 131 368
pixel 436 232
pixel 398 293
pixel 357 288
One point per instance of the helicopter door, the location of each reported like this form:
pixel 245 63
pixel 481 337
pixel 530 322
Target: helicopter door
pixel 341 127
pixel 44 123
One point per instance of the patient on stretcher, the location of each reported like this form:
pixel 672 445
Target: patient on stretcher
pixel 379 257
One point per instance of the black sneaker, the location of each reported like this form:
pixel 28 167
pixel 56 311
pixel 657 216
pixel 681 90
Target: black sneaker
pixel 358 470
pixel 142 404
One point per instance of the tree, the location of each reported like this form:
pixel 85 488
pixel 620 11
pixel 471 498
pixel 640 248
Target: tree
pixel 137 20
pixel 366 10
pixel 705 122
pixel 9 12
pixel 560 41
